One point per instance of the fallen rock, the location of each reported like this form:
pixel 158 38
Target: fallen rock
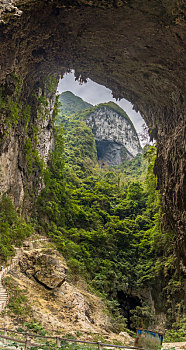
pixel 46 267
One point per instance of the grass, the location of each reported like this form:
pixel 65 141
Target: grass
pixel 18 302
pixel 13 229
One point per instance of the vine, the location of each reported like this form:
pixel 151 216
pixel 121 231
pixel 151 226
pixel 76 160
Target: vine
pixel 33 159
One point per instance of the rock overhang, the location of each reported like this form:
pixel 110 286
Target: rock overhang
pixel 134 48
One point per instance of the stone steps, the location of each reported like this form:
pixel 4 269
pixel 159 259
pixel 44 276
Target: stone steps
pixel 3 293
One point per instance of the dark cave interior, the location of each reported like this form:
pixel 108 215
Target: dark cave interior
pixel 127 303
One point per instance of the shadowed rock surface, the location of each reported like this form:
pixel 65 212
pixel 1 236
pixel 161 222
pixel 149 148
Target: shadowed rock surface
pixel 135 48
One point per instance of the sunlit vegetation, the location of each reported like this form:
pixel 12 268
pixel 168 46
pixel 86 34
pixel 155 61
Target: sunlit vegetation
pixel 78 109
pixel 71 104
pixel 107 224
pixel 13 229
pixel 106 221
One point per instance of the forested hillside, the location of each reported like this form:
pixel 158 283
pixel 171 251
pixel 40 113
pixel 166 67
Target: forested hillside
pixel 107 224
pixel 114 133
pixel 71 103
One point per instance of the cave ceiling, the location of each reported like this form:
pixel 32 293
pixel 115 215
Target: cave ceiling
pixel 133 47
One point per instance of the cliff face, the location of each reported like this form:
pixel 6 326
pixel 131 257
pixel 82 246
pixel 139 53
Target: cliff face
pixel 115 135
pixel 134 48
pixel 26 139
pixel 116 138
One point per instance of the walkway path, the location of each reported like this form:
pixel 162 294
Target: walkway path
pixel 176 346
pixel 4 297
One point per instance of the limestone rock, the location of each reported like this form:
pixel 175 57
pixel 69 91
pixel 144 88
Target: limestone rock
pixel 46 268
pixel 127 337
pixel 55 302
pixel 116 138
pixel 10 172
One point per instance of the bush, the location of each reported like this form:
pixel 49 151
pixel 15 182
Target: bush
pixel 13 229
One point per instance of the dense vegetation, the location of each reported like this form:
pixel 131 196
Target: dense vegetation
pixel 13 229
pixel 107 224
pixel 71 104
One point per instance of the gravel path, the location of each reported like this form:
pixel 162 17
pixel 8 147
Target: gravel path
pixel 177 346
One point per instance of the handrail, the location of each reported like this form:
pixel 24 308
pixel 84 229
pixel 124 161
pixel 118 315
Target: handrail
pixel 58 339
pixel 49 330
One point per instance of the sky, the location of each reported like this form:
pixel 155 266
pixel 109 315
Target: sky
pixel 94 93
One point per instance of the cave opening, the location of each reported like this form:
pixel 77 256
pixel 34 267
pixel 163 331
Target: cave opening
pixel 112 153
pixel 95 93
pixel 127 303
pixel 137 51
pixel 113 144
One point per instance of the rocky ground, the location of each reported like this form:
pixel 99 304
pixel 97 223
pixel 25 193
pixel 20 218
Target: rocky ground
pixel 55 301
pixel 58 303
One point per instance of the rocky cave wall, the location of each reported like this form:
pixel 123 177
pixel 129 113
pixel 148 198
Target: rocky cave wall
pixel 26 140
pixel 133 47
